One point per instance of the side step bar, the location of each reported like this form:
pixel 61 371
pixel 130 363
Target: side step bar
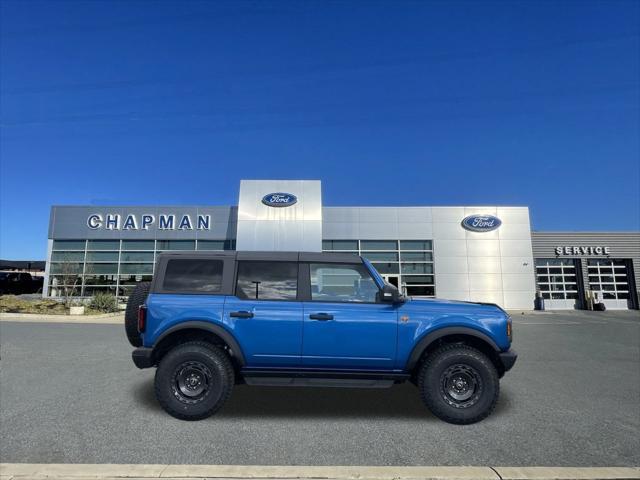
pixel 320 378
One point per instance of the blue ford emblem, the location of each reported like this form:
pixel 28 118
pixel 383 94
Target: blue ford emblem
pixel 279 199
pixel 481 223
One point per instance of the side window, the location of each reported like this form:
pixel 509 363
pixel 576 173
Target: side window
pixel 267 280
pixel 193 276
pixel 342 283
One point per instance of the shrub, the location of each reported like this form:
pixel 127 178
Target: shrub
pixel 103 302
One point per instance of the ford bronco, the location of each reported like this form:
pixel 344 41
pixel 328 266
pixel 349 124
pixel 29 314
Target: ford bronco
pixel 210 320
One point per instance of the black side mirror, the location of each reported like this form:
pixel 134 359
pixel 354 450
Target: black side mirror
pixel 390 294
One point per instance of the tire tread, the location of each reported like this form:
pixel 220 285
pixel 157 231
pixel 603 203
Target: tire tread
pixel 216 354
pixel 428 395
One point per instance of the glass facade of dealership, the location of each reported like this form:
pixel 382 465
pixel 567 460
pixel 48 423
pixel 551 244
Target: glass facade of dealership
pixel 87 267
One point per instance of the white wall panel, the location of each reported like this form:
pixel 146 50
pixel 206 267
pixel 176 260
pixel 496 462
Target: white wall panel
pixel 448 231
pixel 484 265
pixel 517 282
pixel 451 265
pixel 523 265
pixel 453 295
pixel 448 282
pixel 487 296
pixel 378 214
pixel 415 231
pixel 340 214
pixel 449 248
pixel 518 301
pixel 483 248
pixel 516 248
pixel 340 231
pixel 379 231
pixel 485 282
pixel 447 214
pixel 415 214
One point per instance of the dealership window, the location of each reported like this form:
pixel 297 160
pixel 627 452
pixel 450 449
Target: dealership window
pixel 176 245
pixel 267 280
pixel 103 245
pixel 69 245
pixel 138 245
pixel 556 278
pixel 136 256
pixel 216 245
pixel 405 263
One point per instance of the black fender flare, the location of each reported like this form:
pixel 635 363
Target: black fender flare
pixel 431 337
pixel 216 329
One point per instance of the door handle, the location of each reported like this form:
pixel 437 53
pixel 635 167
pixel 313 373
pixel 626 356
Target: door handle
pixel 321 316
pixel 241 314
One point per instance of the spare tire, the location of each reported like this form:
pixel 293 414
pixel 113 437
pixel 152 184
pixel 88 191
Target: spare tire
pixel 137 298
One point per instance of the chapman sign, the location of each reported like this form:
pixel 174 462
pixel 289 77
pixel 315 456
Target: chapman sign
pixel 589 250
pixel 144 222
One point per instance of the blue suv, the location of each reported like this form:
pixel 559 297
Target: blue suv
pixel 210 320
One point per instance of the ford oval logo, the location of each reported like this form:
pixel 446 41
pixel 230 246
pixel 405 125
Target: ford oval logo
pixel 279 199
pixel 481 223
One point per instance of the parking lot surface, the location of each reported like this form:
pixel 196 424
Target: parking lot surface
pixel 70 394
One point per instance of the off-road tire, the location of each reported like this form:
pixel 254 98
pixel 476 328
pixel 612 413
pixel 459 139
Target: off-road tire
pixel 209 358
pixel 435 374
pixel 137 298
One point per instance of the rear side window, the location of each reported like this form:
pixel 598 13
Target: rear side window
pixel 193 275
pixel 267 280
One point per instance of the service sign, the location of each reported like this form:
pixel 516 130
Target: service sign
pixel 481 223
pixel 583 250
pixel 279 199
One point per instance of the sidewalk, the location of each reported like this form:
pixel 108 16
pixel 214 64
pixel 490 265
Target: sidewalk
pixel 20 471
pixel 105 318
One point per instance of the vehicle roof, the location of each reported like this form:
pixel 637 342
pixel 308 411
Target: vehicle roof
pixel 325 257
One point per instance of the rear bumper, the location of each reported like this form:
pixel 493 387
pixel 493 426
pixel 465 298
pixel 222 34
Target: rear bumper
pixel 508 358
pixel 142 357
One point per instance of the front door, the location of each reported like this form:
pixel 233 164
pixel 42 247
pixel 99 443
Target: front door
pixel 344 324
pixel 265 315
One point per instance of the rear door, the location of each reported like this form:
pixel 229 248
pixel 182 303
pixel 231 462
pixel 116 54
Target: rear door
pixel 345 325
pixel 265 313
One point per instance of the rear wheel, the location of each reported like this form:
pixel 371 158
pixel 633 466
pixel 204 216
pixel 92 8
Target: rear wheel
pixel 459 384
pixel 137 298
pixel 194 380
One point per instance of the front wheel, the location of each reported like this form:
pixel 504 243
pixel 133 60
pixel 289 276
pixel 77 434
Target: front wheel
pixel 194 380
pixel 459 384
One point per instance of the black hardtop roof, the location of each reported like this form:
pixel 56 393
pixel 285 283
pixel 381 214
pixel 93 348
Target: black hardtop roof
pixel 324 257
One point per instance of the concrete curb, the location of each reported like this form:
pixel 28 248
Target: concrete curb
pixel 24 471
pixel 104 318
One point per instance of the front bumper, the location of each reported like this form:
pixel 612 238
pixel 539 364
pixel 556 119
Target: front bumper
pixel 143 357
pixel 508 358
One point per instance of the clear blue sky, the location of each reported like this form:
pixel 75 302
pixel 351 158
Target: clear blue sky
pixel 388 103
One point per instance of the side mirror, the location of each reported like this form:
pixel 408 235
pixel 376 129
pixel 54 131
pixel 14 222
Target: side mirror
pixel 390 294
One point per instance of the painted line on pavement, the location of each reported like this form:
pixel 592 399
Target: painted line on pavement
pixel 24 471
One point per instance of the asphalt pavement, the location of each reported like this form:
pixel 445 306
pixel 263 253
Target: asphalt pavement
pixel 69 393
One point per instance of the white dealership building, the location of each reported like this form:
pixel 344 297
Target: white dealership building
pixel 475 253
